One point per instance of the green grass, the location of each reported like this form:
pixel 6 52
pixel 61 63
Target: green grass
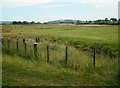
pixel 27 71
pixel 104 35
pixel 18 71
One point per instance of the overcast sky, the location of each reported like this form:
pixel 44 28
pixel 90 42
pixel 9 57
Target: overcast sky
pixel 46 10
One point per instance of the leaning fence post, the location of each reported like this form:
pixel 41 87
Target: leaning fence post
pixel 35 50
pixel 94 56
pixel 17 45
pixel 47 53
pixel 66 56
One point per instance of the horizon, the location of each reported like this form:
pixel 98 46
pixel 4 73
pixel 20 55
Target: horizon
pixel 50 10
pixel 51 20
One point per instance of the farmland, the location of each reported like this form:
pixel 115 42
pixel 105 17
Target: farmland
pixel 80 40
pixel 103 35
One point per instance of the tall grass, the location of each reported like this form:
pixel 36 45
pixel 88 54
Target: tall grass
pixel 77 60
pixel 105 38
pixel 19 71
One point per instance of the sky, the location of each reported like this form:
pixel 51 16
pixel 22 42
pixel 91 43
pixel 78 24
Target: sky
pixel 47 10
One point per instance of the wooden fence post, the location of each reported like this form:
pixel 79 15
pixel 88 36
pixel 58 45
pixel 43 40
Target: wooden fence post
pixel 17 45
pixel 36 39
pixel 35 50
pixel 24 44
pixel 66 56
pixel 94 56
pixel 25 48
pixel 47 53
pixel 23 40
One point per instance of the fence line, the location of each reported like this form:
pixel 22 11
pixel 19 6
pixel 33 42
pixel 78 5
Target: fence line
pixel 48 51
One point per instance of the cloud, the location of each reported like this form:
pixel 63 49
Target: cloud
pixel 101 3
pixel 104 8
pixel 21 3
pixel 57 4
pixel 100 8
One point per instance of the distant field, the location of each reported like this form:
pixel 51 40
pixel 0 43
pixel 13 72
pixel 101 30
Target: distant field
pixel 85 37
pixel 79 70
pixel 105 35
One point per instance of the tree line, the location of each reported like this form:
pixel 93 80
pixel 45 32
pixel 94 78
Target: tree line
pixel 111 21
pixel 25 22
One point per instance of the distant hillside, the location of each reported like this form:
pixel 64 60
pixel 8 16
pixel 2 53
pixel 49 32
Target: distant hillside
pixel 65 21
pixel 5 22
pixel 106 21
pixel 111 21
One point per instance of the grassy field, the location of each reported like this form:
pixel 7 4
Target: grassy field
pixel 81 34
pixel 19 69
pixel 103 37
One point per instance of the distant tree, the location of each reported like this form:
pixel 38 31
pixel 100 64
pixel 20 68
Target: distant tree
pixel 25 22
pixel 14 22
pixel 32 22
pixel 99 20
pixel 78 22
pixel 113 19
pixel 45 23
pixel 118 21
pixel 38 23
pixel 61 22
pixel 106 19
pixel 90 22
pixel 19 22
